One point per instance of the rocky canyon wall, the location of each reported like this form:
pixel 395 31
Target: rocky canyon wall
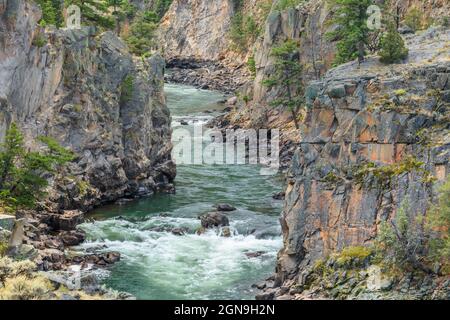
pixel 88 92
pixel 375 114
pixel 196 29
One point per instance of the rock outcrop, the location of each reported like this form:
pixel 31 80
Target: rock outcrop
pixel 88 92
pixel 196 29
pixel 383 115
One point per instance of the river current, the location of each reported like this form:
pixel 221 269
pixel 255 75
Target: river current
pixel 157 264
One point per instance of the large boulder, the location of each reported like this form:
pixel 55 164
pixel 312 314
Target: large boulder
pixel 214 219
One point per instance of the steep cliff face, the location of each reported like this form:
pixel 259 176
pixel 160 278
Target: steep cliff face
pixel 90 94
pixel 373 114
pixel 196 29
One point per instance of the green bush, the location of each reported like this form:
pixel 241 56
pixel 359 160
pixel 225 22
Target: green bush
pixel 392 47
pixel 127 89
pixel 251 63
pixel 39 41
pixel 141 39
pixel 439 224
pixel 414 19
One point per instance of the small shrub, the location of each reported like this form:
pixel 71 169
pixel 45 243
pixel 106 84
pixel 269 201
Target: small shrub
pixel 24 288
pixel 400 92
pixel 446 21
pixel 39 41
pixel 126 89
pixel 251 63
pixel 350 254
pixel 414 18
pixel 439 225
pixel 392 47
pixel 3 248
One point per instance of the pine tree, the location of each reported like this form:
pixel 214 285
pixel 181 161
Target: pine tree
pixel 94 12
pixel 392 46
pixel 288 78
pixel 48 12
pixel 141 39
pixel 352 34
pixel 23 173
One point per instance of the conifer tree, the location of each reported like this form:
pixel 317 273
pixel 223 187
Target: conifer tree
pixel 288 78
pixel 23 173
pixel 392 46
pixel 94 12
pixel 51 12
pixel 352 33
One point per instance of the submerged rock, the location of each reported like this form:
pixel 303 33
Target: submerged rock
pixel 225 207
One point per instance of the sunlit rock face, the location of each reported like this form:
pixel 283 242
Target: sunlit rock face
pixel 87 91
pixel 357 115
pixel 196 29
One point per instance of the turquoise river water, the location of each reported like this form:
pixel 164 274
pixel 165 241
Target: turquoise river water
pixel 157 264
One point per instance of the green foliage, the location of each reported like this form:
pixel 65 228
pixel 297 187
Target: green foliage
pixel 286 4
pixel 161 6
pixel 414 18
pixel 141 39
pixel 352 33
pixel 439 224
pixel 51 12
pixel 244 31
pixel 3 248
pixel 288 77
pixel 384 175
pixel 126 89
pixel 421 243
pixel 39 40
pixel 251 63
pixel 350 254
pixel 23 173
pixel 393 47
pixel 446 21
pixel 11 268
pixel 94 12
pixel 122 10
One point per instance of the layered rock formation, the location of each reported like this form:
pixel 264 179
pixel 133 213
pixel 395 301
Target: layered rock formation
pixel 196 29
pixel 373 114
pixel 88 92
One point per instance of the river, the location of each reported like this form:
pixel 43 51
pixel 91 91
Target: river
pixel 157 264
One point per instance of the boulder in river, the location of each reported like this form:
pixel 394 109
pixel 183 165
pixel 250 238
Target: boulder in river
pixel 225 207
pixel 214 219
pixel 279 195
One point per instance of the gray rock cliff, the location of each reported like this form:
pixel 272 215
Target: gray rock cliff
pixel 88 92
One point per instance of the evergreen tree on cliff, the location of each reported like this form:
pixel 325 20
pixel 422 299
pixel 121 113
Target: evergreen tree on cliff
pixel 23 174
pixel 94 12
pixel 287 77
pixel 392 46
pixel 352 33
pixel 51 12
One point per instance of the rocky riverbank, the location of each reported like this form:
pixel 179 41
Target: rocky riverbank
pixel 207 75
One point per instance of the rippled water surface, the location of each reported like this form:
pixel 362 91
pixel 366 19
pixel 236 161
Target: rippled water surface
pixel 157 264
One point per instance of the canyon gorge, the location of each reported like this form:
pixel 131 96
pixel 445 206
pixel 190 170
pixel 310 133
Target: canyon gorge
pixel 373 142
